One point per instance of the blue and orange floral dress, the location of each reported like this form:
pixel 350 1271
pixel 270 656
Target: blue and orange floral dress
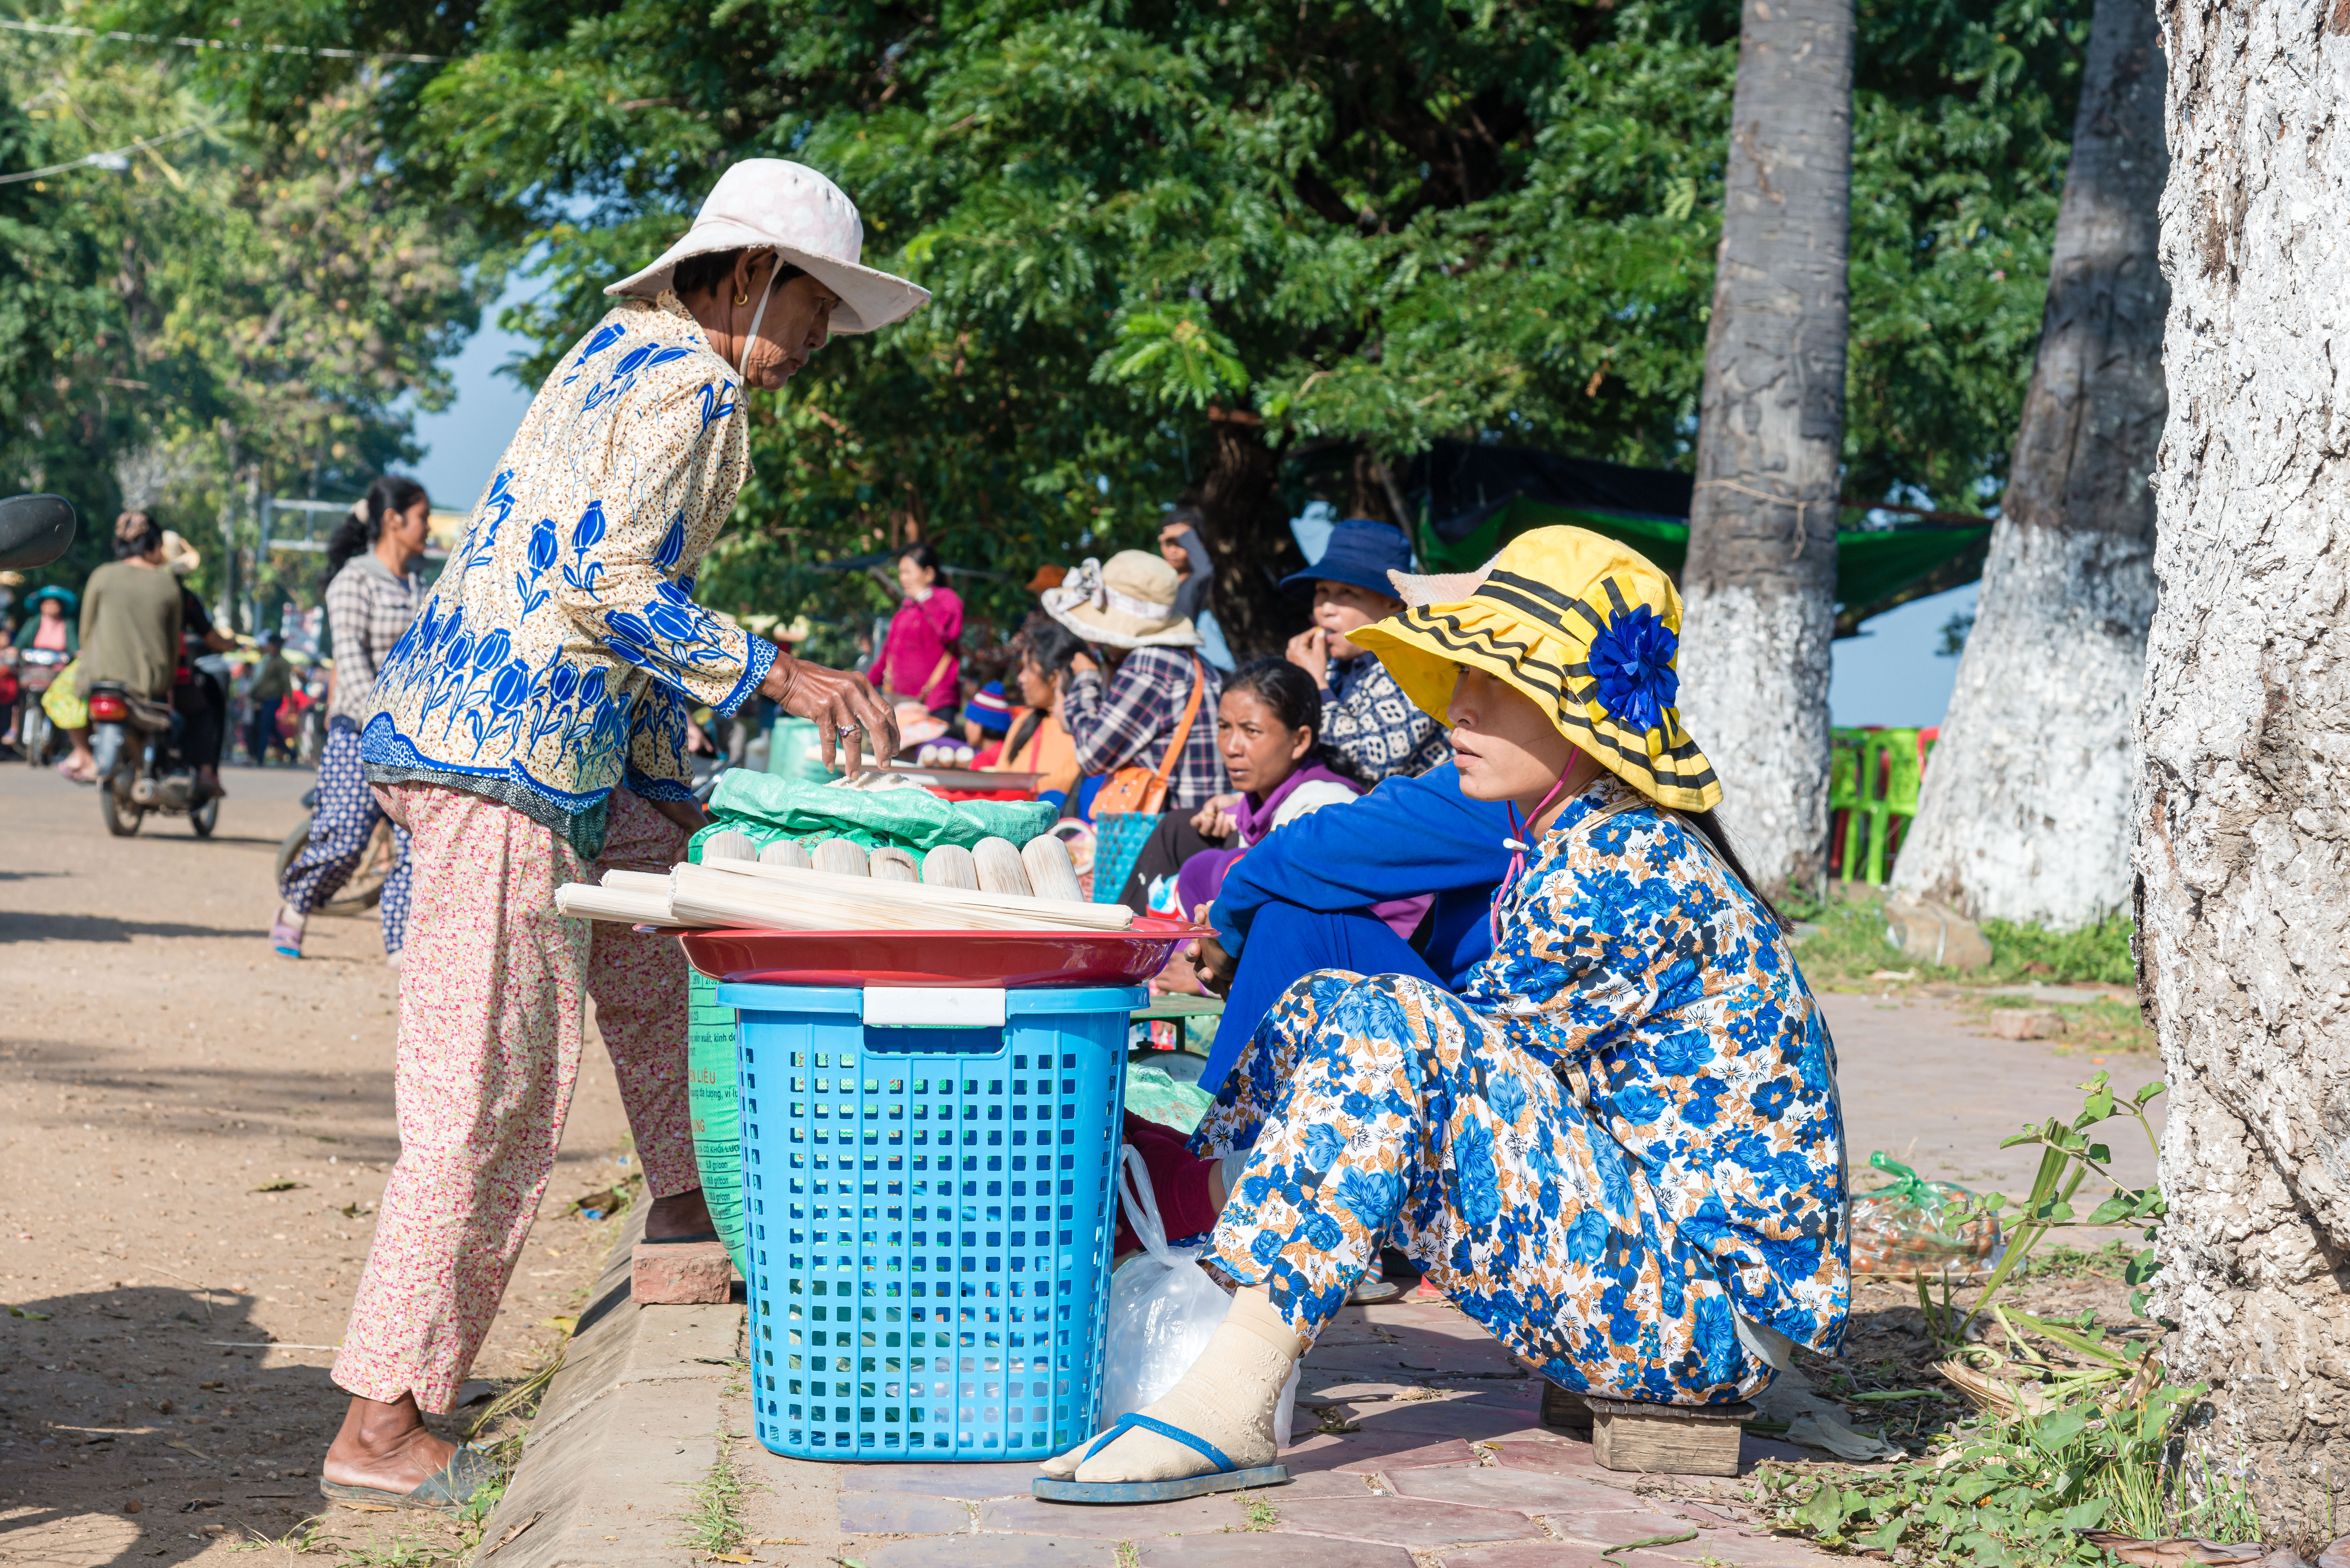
pixel 1618 1148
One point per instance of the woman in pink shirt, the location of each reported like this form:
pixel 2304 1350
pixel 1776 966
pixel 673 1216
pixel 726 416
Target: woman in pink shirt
pixel 920 660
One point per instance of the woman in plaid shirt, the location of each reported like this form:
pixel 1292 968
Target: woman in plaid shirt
pixel 1129 720
pixel 372 593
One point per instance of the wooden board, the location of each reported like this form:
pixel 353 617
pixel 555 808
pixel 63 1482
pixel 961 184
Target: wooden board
pixel 1667 1440
pixel 1565 1408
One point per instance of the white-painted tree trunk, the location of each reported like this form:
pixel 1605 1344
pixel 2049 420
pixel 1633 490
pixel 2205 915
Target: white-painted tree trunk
pixel 1760 588
pixel 2026 812
pixel 2244 732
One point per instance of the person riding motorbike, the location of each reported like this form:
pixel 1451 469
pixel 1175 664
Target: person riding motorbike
pixel 197 693
pixel 44 645
pixel 130 624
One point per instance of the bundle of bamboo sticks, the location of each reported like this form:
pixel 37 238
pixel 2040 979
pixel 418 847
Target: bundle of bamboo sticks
pixel 843 888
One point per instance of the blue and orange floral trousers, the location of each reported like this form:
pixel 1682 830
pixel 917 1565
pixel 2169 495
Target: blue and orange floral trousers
pixel 1386 1109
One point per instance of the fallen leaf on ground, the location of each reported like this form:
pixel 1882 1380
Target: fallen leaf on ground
pixel 20 1312
pixel 513 1530
pixel 279 1187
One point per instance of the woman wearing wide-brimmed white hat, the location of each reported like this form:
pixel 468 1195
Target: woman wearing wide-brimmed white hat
pixel 528 731
pixel 1138 717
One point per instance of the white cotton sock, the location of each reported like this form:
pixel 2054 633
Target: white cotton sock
pixel 1228 1398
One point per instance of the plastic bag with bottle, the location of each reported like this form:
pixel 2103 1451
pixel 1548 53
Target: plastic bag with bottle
pixel 1163 1310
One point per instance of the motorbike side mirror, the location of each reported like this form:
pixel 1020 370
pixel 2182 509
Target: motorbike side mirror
pixel 34 531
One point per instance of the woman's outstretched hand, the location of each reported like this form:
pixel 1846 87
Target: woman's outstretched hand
pixel 839 703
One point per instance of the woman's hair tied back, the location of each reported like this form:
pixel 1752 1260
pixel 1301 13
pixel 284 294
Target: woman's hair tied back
pixel 137 534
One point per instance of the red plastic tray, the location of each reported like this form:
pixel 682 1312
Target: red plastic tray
pixel 1009 959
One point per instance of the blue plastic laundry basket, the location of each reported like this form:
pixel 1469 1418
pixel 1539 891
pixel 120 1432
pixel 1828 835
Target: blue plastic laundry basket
pixel 929 1207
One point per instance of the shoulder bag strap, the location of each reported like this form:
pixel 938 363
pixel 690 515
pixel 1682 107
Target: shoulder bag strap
pixel 1182 729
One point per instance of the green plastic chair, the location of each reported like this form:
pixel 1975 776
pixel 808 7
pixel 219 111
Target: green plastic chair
pixel 1844 787
pixel 1905 770
pixel 1895 752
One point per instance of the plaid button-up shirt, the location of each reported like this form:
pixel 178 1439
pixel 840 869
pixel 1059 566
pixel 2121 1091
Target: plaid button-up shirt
pixel 1132 721
pixel 368 608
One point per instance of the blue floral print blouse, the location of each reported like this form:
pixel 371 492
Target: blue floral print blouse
pixel 1635 964
pixel 561 650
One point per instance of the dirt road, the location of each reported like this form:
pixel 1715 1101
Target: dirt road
pixel 196 1132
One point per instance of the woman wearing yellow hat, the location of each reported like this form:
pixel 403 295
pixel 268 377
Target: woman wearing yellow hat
pixel 1618 1148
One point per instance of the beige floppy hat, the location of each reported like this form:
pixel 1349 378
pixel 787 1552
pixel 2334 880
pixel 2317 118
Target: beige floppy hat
pixel 1130 603
pixel 180 557
pixel 770 204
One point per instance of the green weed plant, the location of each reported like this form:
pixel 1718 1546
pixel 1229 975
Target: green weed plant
pixel 2088 1441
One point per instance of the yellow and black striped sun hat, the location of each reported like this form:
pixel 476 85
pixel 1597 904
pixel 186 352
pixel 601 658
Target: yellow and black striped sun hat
pixel 1588 629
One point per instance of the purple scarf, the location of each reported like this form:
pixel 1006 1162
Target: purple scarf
pixel 1256 816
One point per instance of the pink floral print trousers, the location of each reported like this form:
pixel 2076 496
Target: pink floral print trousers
pixel 490 1037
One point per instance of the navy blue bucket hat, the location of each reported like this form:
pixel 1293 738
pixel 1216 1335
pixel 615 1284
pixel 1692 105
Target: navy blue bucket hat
pixel 1361 552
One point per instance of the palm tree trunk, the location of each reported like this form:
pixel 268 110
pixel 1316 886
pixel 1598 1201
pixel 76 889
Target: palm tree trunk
pixel 1761 582
pixel 2026 815
pixel 2243 803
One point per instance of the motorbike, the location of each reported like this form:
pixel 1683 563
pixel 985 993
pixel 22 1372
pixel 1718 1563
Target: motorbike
pixel 363 889
pixel 140 768
pixel 36 671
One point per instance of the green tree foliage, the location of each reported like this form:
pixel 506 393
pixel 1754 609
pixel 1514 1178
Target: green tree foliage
pixel 241 312
pixel 1229 249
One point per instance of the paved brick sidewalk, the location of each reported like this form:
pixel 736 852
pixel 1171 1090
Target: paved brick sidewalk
pixel 1441 1462
pixel 1450 1464
pixel 1446 1463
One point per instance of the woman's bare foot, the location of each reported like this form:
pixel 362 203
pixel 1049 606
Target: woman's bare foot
pixel 680 1214
pixel 387 1447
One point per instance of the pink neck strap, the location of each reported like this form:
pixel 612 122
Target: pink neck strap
pixel 1518 846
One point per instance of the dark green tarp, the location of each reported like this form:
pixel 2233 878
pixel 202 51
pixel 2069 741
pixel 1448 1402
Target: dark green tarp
pixel 1873 565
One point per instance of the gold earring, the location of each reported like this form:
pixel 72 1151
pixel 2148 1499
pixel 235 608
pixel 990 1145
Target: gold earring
pixel 742 299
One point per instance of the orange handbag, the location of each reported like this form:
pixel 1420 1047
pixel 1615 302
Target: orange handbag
pixel 1138 788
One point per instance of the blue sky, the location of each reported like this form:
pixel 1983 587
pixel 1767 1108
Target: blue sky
pixel 464 440
pixel 1889 675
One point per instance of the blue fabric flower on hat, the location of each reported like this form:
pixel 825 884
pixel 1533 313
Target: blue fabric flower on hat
pixel 1632 659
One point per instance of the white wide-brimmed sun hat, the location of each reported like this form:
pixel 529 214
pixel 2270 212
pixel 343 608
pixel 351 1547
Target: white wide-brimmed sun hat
pixel 771 203
pixel 1130 603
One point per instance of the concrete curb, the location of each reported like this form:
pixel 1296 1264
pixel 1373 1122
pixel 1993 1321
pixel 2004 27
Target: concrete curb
pixel 627 1427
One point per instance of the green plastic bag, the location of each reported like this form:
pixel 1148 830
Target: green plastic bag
pixel 767 806
pixel 712 1099
pixel 1156 1095
pixel 717 1108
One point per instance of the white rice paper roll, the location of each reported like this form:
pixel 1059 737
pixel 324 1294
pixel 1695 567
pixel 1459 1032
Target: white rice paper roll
pixel 1051 873
pixel 842 859
pixel 999 867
